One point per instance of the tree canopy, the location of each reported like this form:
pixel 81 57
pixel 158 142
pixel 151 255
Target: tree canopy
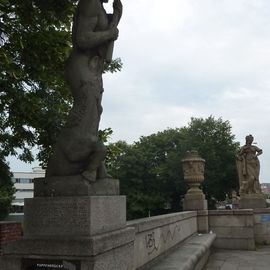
pixel 150 170
pixel 35 40
pixel 6 189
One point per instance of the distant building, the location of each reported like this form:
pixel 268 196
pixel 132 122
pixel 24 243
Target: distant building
pixel 266 189
pixel 23 182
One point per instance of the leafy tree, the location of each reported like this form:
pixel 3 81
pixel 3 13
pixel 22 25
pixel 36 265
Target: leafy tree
pixel 6 189
pixel 216 144
pixel 35 40
pixel 150 170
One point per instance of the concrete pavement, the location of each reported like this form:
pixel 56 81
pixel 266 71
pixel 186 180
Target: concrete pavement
pixel 240 260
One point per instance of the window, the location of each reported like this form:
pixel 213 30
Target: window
pixel 25 180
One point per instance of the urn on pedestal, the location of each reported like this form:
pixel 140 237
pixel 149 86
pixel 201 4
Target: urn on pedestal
pixel 193 168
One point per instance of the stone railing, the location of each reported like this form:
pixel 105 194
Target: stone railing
pixel 262 226
pixel 234 229
pixel 155 236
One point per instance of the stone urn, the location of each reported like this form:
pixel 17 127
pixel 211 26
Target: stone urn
pixel 193 168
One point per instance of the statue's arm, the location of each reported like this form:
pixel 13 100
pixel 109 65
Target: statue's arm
pixel 117 13
pixel 239 154
pixel 85 36
pixel 259 151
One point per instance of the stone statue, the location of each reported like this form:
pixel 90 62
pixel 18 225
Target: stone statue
pixel 78 150
pixel 248 167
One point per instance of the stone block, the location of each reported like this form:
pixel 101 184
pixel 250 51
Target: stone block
pixel 194 204
pixel 73 217
pixel 10 263
pixel 155 236
pixel 234 232
pixel 109 251
pixel 74 185
pixel 222 232
pixel 231 220
pixel 240 244
pixel 145 224
pixel 262 240
pixel 252 201
pixel 120 259
pixel 262 211
pixel 243 232
pixel 80 247
pixel 202 221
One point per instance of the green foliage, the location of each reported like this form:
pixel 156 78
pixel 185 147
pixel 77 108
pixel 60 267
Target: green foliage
pixel 215 143
pixel 6 189
pixel 150 170
pixel 35 40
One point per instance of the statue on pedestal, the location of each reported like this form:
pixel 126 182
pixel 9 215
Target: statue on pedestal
pixel 78 150
pixel 248 167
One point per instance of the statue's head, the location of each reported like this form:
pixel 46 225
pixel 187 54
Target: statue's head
pixel 249 139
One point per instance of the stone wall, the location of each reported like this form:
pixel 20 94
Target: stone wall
pixel 9 231
pixel 234 229
pixel 154 236
pixel 262 226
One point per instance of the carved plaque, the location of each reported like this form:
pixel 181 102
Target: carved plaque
pixel 42 264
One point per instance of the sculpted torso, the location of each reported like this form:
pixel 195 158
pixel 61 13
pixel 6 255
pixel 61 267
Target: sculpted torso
pixel 78 150
pixel 248 166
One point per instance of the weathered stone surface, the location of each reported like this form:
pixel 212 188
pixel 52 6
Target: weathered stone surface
pixel 262 226
pixel 7 263
pixel 248 167
pixel 193 168
pixel 120 258
pixel 202 221
pixel 80 247
pixel 109 251
pixel 156 235
pixel 73 217
pixel 234 229
pixel 75 185
pixel 252 201
pixel 191 255
pixel 237 244
pixel 194 204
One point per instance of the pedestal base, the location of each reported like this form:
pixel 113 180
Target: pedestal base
pixel 193 205
pixel 74 185
pixel 73 217
pixel 108 251
pixel 252 201
pixel 194 201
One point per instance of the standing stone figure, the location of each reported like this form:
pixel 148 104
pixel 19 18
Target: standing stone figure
pixel 78 150
pixel 248 167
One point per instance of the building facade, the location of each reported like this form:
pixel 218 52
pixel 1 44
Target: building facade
pixel 23 182
pixel 266 189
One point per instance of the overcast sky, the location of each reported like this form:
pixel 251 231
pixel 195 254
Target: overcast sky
pixel 191 58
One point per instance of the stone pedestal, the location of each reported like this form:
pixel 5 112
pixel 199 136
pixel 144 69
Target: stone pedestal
pixel 252 201
pixel 73 217
pixel 73 232
pixel 193 202
pixel 203 221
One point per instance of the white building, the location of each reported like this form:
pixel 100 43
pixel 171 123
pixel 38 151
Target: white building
pixel 23 182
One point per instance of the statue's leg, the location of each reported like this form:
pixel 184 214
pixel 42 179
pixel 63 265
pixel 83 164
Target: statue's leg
pixel 97 157
pixel 102 171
